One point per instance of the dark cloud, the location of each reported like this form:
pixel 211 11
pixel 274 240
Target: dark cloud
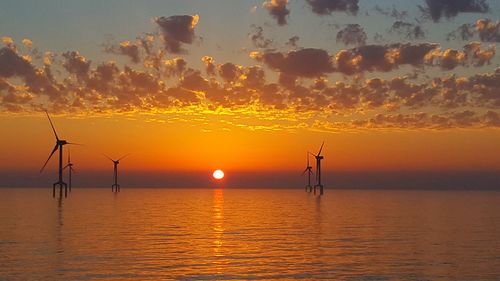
pixel 381 57
pixel 305 62
pixel 408 30
pixel 11 64
pixel 352 34
pixel 175 66
pixel 437 9
pixel 292 41
pixel 126 48
pixel 278 9
pixel 486 29
pixel 210 64
pixel 464 32
pixel 394 13
pixel 193 80
pixel 76 64
pixel 228 71
pixel 177 30
pixel 257 37
pixel 326 7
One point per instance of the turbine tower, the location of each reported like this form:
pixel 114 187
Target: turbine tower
pixel 115 186
pixel 309 173
pixel 70 169
pixel 59 146
pixel 319 157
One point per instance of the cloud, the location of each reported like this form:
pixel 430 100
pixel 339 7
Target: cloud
pixel 488 30
pixel 210 64
pixel 394 13
pixel 326 7
pixel 352 34
pixel 292 41
pixel 277 9
pixel 381 57
pixel 175 66
pixel 408 30
pixel 308 62
pixel 479 56
pixel 177 30
pixel 76 64
pixel 126 48
pixel 257 37
pixel 437 9
pixel 229 71
pixel 485 29
pixel 11 64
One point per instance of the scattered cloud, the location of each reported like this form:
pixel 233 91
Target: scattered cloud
pixel 352 34
pixel 257 37
pixel 278 9
pixel 436 9
pixel 407 30
pixel 177 30
pixel 326 7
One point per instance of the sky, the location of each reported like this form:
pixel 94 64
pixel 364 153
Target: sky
pixel 399 91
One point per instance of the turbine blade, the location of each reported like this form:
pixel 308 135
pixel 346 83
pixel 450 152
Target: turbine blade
pixel 73 170
pixel 64 168
pixel 305 171
pixel 321 148
pixel 52 153
pixel 108 157
pixel 52 125
pixel 128 154
pixel 69 156
pixel 73 143
pixel 308 158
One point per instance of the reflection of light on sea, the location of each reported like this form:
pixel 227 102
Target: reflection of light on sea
pixel 218 227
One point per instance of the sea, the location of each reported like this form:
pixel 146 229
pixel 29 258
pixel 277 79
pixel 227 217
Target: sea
pixel 249 234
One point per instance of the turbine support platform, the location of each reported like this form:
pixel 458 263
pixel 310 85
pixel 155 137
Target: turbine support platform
pixel 320 189
pixel 115 187
pixel 61 184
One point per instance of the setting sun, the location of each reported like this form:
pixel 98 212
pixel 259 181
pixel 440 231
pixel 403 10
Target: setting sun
pixel 218 174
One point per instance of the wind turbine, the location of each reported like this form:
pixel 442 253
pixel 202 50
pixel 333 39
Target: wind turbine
pixel 115 186
pixel 319 157
pixel 309 173
pixel 59 146
pixel 70 169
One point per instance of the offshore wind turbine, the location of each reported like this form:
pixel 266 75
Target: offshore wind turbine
pixel 70 169
pixel 309 173
pixel 319 157
pixel 59 146
pixel 115 186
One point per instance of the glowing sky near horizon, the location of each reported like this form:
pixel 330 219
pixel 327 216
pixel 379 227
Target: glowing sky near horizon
pixel 252 85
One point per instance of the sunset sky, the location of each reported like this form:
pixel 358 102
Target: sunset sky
pixel 249 87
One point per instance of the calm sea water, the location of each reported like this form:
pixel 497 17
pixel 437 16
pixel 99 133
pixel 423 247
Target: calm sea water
pixel 244 234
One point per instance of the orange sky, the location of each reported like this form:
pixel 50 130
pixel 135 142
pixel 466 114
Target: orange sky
pixel 159 146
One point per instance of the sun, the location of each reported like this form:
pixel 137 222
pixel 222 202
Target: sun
pixel 218 174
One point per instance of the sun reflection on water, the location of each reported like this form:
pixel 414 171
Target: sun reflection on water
pixel 218 227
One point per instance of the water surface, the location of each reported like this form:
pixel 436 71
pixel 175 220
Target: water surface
pixel 245 234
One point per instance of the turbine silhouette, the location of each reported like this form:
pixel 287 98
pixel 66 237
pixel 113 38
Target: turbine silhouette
pixel 309 173
pixel 319 157
pixel 70 169
pixel 115 186
pixel 59 146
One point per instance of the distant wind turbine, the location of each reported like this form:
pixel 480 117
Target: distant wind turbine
pixel 309 173
pixel 70 169
pixel 319 157
pixel 59 146
pixel 115 186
